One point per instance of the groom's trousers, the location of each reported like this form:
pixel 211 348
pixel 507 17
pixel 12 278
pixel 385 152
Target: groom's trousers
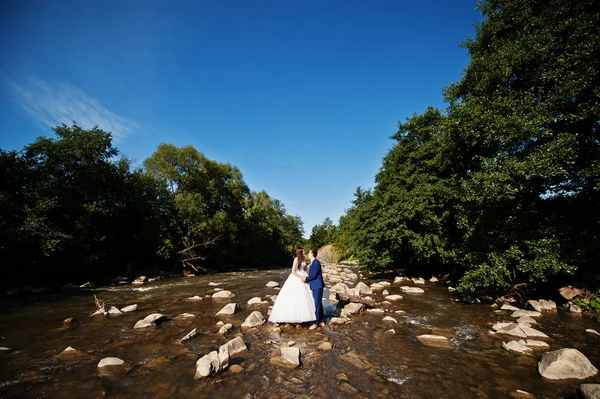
pixel 318 296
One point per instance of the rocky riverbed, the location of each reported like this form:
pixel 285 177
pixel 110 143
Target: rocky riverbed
pixel 207 336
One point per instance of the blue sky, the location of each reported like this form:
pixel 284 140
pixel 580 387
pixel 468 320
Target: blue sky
pixel 301 96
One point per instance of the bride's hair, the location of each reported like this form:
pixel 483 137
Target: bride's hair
pixel 300 255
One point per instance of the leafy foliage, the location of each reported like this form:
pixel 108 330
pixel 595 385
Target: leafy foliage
pixel 70 210
pixel 501 187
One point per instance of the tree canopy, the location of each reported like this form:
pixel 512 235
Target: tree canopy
pixel 501 187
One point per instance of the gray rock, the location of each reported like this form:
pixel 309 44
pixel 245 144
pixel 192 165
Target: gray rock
pixel 236 346
pixel 155 317
pixel 352 308
pixel 590 391
pixel 130 308
pixel 228 309
pixel 390 319
pixel 195 298
pixel 223 294
pixel 189 335
pixel 255 319
pixel 144 324
pixel 419 280
pixel 592 331
pixel 411 290
pixel 569 292
pixel 566 363
pixel 434 340
pixel 272 284
pixel 113 311
pixel 376 311
pixel 535 344
pixel 509 307
pixel 287 357
pixel 573 308
pixel 393 297
pixel 110 361
pixel 362 288
pixel 223 357
pixel 254 301
pixel 517 347
pixel 525 313
pixel 207 365
pixel 521 331
pixel 433 280
pixel 542 305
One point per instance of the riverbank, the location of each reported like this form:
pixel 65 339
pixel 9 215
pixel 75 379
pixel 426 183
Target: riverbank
pixel 359 358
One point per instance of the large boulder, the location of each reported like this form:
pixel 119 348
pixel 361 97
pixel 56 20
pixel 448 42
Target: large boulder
pixel 340 288
pixel 255 319
pixel 569 292
pixel 590 391
pixel 228 309
pixel 566 363
pixel 542 305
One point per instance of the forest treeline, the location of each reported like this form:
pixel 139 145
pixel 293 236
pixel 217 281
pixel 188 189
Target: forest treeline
pixel 72 210
pixel 502 186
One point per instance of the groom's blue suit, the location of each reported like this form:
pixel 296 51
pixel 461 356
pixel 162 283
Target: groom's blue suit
pixel 315 280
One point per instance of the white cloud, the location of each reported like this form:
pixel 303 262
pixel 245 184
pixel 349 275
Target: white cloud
pixel 50 105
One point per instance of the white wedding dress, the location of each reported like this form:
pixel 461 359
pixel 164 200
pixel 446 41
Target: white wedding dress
pixel 294 303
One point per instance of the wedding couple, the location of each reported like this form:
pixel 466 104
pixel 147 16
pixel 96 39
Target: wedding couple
pixel 299 300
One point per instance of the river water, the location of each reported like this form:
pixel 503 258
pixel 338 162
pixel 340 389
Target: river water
pixel 365 362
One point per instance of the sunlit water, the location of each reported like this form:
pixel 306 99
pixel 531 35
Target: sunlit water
pixel 389 365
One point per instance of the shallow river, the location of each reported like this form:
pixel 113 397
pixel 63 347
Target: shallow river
pixel 365 361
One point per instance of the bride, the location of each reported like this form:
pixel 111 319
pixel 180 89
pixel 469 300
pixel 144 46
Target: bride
pixel 294 303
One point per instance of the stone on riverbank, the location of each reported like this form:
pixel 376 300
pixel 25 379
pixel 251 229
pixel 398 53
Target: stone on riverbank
pixel 340 288
pixel 255 319
pixel 130 308
pixel 535 344
pixel 73 354
pixel 542 305
pixel 228 309
pixel 375 311
pixel 140 280
pixel 144 324
pixel 566 363
pixel 195 298
pixel 155 317
pixel 185 316
pixel 509 307
pixel 525 313
pixel 235 346
pixel 225 328
pixel 113 312
pixel 517 347
pixel 411 290
pixel 419 280
pixel 590 391
pixel 112 366
pixel 207 365
pixel 521 331
pixel 286 357
pixel 352 308
pixel 391 319
pixel 434 340
pixel 189 335
pixel 569 292
pixel 254 301
pixel 362 288
pixel 591 331
pixel 223 294
pixel 325 346
pixel 272 284
pixel 393 297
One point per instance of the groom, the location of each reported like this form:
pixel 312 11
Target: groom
pixel 315 280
